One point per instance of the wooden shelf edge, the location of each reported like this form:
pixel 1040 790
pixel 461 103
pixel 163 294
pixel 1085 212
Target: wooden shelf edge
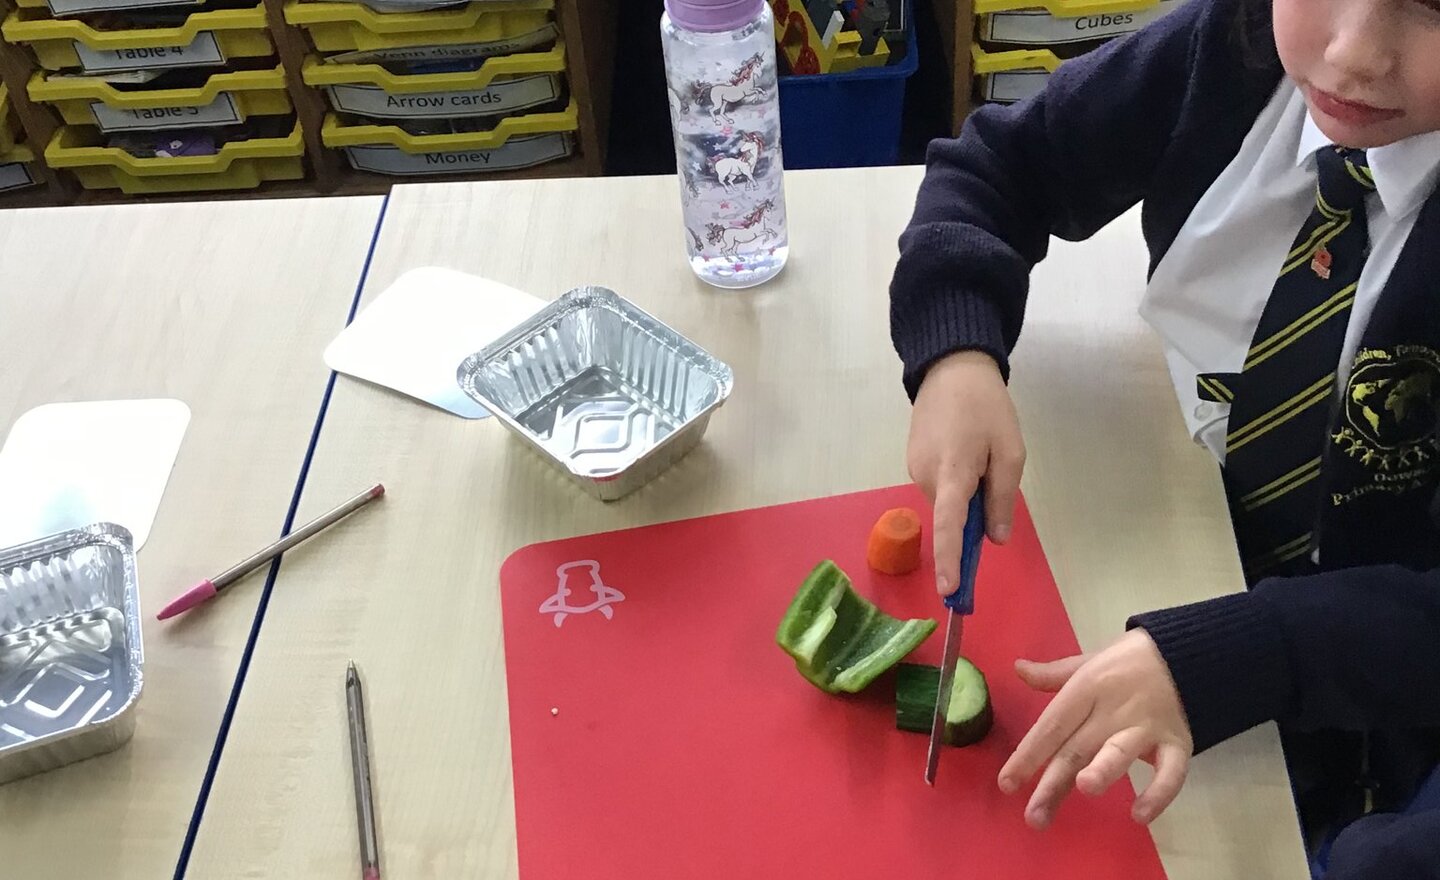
pixel 348 183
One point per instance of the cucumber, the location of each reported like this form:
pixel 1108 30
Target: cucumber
pixel 968 717
pixel 840 642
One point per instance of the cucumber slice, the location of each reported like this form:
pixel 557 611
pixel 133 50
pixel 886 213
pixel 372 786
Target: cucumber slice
pixel 968 717
pixel 841 642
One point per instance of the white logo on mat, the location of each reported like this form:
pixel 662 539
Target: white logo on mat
pixel 569 577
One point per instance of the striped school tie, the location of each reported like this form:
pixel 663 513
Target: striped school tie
pixel 1282 399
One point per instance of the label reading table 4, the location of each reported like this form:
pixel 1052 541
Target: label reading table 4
pixel 221 111
pixel 203 51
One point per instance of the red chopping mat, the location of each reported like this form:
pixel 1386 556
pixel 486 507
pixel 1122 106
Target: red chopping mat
pixel 659 732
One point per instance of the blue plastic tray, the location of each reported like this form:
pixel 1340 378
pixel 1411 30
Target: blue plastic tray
pixel 839 120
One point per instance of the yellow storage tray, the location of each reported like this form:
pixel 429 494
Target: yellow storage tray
pixel 506 84
pixel 237 165
pixel 206 39
pixel 510 25
pixel 7 128
pixel 1062 22
pixel 230 97
pixel 1007 77
pixel 16 166
pixel 516 142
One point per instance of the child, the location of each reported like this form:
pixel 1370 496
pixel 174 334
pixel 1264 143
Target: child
pixel 1287 154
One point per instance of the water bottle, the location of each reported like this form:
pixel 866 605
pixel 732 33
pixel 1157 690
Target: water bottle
pixel 725 114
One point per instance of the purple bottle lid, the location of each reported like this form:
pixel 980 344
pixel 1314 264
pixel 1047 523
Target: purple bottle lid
pixel 713 16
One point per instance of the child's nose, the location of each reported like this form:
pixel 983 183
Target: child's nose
pixel 1360 47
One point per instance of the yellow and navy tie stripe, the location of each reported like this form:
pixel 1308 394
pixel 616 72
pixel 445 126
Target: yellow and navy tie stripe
pixel 1217 387
pixel 1282 400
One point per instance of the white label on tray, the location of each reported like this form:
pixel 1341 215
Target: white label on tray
pixel 521 43
pixel 77 7
pixel 1040 28
pixel 516 153
pixel 15 176
pixel 218 112
pixel 1015 85
pixel 498 97
pixel 202 52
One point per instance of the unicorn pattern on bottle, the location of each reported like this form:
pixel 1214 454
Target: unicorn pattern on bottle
pixel 722 97
pixel 728 159
pixel 730 170
pixel 748 230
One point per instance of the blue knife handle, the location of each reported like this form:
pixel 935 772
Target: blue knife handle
pixel 962 601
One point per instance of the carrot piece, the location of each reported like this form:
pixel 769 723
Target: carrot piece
pixel 894 546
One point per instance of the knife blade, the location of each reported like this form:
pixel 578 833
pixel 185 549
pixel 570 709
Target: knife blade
pixel 959 605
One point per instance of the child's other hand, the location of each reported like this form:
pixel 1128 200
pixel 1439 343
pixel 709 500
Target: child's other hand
pixel 1112 709
pixel 963 428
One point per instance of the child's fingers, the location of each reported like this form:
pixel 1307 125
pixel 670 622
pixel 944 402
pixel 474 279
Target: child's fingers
pixel 1056 725
pixel 1172 763
pixel 1113 760
pixel 1058 780
pixel 952 502
pixel 1002 484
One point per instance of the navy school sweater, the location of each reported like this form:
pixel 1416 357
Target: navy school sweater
pixel 1347 659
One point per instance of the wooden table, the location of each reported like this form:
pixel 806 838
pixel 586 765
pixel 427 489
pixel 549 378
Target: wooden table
pixel 1131 513
pixel 225 306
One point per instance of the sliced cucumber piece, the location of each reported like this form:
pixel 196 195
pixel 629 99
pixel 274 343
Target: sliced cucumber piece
pixel 841 642
pixel 968 717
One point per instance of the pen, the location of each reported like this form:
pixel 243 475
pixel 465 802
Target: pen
pixel 360 764
pixel 206 590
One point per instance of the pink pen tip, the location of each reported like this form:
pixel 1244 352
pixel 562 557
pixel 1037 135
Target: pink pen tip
pixel 372 874
pixel 187 600
pixel 376 493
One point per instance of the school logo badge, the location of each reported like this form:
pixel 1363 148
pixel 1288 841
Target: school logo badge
pixel 1390 421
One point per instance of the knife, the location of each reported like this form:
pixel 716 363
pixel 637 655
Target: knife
pixel 960 604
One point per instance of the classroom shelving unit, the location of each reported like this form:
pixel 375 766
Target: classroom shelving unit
pixel 547 105
pixel 1002 51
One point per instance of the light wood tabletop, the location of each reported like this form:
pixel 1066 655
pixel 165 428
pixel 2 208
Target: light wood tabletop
pixel 1131 513
pixel 226 307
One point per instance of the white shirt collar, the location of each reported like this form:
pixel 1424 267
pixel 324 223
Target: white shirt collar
pixel 1406 172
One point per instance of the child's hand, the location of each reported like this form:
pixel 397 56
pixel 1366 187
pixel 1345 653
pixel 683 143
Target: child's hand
pixel 1112 709
pixel 963 428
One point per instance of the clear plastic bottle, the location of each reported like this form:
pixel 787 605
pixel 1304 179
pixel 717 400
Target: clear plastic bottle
pixel 725 114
